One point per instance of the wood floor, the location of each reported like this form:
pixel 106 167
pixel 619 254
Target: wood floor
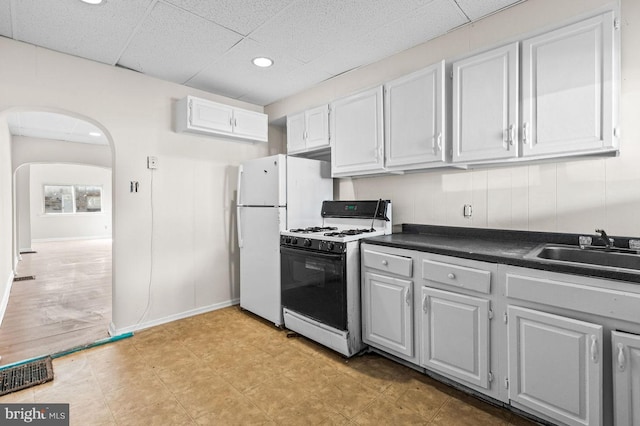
pixel 67 305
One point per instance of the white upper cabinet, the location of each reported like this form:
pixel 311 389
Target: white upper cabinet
pixel 485 106
pixel 296 130
pixel 414 119
pixel 568 88
pixel 197 115
pixel 308 130
pixel 356 123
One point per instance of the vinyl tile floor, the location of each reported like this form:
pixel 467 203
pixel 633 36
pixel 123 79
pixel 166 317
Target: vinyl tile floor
pixel 230 367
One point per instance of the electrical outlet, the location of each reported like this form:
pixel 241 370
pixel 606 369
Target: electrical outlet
pixel 152 162
pixel 467 211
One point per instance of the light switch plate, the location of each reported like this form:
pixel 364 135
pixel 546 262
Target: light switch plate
pixel 152 162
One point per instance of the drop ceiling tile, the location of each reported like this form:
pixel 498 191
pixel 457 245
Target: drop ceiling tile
pixel 426 23
pixel 234 75
pixel 70 26
pixel 296 81
pixel 309 28
pixel 174 44
pixel 5 18
pixel 475 9
pixel 242 16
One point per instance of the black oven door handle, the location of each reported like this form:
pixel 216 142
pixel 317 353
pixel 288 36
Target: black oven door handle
pixel 313 253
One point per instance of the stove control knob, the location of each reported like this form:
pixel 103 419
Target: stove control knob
pixel 287 240
pixel 307 242
pixel 294 241
pixel 330 246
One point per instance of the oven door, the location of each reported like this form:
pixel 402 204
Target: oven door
pixel 314 284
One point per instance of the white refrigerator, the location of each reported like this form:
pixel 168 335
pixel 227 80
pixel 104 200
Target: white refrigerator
pixel 274 194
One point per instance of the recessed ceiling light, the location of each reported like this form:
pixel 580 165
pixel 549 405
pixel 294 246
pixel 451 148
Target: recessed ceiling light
pixel 262 62
pixel 92 1
pixel 95 134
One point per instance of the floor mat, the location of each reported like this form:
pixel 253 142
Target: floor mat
pixel 24 278
pixel 25 375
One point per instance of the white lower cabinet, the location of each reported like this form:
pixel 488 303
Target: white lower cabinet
pixel 555 366
pixel 387 301
pixel 388 316
pixel 626 378
pixel 455 335
pixel 562 347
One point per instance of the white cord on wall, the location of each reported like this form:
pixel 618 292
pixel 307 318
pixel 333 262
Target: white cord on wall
pixel 146 309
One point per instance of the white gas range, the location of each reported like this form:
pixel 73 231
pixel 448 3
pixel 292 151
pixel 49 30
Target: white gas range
pixel 320 272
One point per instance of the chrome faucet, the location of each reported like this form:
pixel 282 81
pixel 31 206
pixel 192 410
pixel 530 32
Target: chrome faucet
pixel 608 242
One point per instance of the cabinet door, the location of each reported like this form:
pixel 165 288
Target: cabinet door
pixel 567 93
pixel 555 366
pixel 388 313
pixel 356 131
pixel 295 133
pixel 414 119
pixel 250 124
pixel 455 335
pixel 626 378
pixel 317 127
pixel 210 115
pixel 485 106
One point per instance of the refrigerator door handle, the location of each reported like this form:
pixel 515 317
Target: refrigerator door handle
pixel 239 223
pixel 239 185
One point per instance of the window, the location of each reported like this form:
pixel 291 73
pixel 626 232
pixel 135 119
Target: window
pixel 72 199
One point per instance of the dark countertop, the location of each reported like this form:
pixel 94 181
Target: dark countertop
pixel 497 246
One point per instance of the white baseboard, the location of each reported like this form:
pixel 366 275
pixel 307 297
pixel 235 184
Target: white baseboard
pixel 48 240
pixel 113 331
pixel 4 302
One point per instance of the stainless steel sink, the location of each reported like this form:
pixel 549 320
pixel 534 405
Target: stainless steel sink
pixel 597 257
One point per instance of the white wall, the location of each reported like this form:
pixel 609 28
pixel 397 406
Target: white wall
pixel 6 212
pixel 193 188
pixel 22 192
pixel 47 227
pixel 567 196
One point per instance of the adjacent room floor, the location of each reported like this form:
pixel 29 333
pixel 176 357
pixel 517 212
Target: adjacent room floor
pixel 229 367
pixel 67 305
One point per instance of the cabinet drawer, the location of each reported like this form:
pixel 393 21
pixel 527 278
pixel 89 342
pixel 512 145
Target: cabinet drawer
pixel 457 276
pixel 562 293
pixel 391 263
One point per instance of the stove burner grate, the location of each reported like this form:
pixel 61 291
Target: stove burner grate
pixel 349 232
pixel 312 229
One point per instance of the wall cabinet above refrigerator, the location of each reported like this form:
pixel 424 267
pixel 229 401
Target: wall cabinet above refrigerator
pixel 308 131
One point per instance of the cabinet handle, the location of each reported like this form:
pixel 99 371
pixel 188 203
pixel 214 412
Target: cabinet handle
pixel 424 304
pixel 451 276
pixel 385 262
pixel 190 114
pixel 512 134
pixel 407 296
pixel 525 134
pixel 437 144
pixel 594 349
pixel 621 360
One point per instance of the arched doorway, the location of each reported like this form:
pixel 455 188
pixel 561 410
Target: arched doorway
pixel 60 148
